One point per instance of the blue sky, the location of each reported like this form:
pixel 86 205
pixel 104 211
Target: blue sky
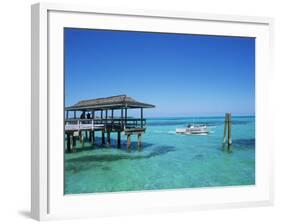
pixel 183 75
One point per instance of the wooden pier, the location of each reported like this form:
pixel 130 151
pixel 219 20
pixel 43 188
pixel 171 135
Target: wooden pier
pixel 94 117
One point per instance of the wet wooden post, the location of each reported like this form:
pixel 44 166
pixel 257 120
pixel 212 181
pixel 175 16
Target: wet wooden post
pixel 227 129
pixel 122 119
pixel 93 137
pixel 141 117
pixel 139 140
pixel 102 137
pixel 129 141
pixel 118 139
pixel 126 116
pixel 73 142
pixel 86 135
pixel 108 136
pixel 81 136
pixel 68 142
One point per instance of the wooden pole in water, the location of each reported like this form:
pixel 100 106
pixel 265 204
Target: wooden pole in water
pixel 122 119
pixel 82 139
pixel 74 140
pixel 93 137
pixel 225 127
pixel 141 117
pixel 68 142
pixel 118 139
pixel 139 140
pixel 102 137
pixel 229 129
pixel 129 141
pixel 108 136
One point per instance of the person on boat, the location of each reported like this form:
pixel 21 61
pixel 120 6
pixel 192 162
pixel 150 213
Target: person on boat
pixel 88 115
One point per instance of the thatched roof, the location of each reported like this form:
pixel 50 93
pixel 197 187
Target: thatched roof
pixel 112 102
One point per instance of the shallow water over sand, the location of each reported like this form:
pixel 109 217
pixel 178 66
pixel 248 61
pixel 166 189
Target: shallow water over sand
pixel 167 160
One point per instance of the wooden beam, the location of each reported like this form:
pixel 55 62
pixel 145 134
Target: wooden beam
pixel 75 114
pixel 67 114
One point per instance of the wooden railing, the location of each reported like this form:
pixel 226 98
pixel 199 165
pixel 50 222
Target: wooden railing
pixel 98 123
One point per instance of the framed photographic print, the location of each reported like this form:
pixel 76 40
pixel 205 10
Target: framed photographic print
pixel 148 111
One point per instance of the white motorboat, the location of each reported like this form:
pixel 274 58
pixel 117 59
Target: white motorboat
pixel 193 129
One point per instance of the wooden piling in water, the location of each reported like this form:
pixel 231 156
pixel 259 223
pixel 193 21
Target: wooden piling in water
pixel 102 137
pixel 68 142
pixel 118 139
pixel 86 135
pixel 139 140
pixel 92 137
pixel 129 141
pixel 108 137
pixel 227 129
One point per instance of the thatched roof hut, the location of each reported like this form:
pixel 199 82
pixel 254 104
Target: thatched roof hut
pixel 108 103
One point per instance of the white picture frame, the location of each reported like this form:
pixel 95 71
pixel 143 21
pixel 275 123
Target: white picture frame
pixel 48 201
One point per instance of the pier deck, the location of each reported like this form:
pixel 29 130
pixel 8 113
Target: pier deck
pixel 88 123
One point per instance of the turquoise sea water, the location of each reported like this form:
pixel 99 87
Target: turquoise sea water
pixel 167 160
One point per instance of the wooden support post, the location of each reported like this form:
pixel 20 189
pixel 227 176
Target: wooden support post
pixel 139 140
pixel 102 137
pixel 75 114
pixel 126 116
pixel 225 127
pixel 90 136
pixel 72 143
pixel 93 137
pixel 122 119
pixel 106 116
pixel 86 135
pixel 74 140
pixel 141 117
pixel 108 136
pixel 81 136
pixel 67 114
pixel 118 139
pixel 68 142
pixel 229 129
pixel 129 141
